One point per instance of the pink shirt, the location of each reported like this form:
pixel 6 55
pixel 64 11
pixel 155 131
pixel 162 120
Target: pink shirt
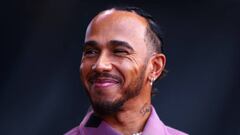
pixel 92 125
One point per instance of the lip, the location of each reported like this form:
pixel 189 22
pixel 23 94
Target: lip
pixel 103 83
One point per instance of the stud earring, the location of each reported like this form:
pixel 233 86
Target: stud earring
pixel 151 81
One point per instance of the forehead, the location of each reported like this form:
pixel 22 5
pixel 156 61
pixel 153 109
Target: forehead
pixel 117 25
pixel 117 17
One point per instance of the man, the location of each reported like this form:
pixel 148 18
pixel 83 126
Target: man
pixel 122 57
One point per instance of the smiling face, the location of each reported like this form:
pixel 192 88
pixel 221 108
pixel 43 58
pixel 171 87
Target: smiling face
pixel 114 67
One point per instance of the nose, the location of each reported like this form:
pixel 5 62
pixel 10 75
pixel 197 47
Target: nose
pixel 103 64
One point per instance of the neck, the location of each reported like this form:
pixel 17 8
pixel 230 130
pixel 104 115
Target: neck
pixel 132 117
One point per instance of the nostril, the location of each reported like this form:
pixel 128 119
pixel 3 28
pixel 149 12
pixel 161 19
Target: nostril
pixel 101 67
pixel 103 63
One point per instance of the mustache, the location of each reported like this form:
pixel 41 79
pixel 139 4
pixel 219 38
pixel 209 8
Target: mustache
pixel 95 75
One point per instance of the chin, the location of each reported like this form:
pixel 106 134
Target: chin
pixel 107 107
pixel 105 98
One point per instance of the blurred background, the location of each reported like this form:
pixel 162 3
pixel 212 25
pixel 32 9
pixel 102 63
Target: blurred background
pixel 40 89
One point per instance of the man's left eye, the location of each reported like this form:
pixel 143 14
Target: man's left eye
pixel 120 52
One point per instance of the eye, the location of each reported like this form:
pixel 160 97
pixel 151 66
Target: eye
pixel 90 52
pixel 120 52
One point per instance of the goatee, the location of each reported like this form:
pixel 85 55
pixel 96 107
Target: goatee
pixel 102 107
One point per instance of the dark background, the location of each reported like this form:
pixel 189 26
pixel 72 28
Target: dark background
pixel 40 90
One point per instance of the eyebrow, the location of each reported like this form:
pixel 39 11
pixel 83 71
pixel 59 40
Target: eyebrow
pixel 115 43
pixel 121 43
pixel 90 43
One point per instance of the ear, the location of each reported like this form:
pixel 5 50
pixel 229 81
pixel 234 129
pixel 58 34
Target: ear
pixel 158 62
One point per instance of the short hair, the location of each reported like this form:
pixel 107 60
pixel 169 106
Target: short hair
pixel 153 31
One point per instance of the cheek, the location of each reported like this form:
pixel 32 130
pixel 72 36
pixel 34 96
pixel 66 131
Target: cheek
pixel 129 69
pixel 84 70
pixel 81 68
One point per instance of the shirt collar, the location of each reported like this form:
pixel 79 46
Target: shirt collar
pixel 92 125
pixel 154 125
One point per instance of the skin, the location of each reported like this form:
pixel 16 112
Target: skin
pixel 115 43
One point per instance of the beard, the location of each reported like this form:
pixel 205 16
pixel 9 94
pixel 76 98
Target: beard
pixel 103 107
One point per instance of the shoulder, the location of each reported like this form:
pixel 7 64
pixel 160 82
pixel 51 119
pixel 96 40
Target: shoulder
pixel 79 129
pixel 173 131
pixel 155 123
pixel 74 131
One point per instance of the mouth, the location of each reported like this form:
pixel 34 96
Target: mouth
pixel 101 83
pixel 103 80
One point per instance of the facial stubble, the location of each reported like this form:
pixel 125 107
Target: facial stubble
pixel 104 107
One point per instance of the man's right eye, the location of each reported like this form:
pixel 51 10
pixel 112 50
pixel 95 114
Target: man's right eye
pixel 90 52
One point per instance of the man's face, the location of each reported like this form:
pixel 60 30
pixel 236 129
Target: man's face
pixel 114 61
